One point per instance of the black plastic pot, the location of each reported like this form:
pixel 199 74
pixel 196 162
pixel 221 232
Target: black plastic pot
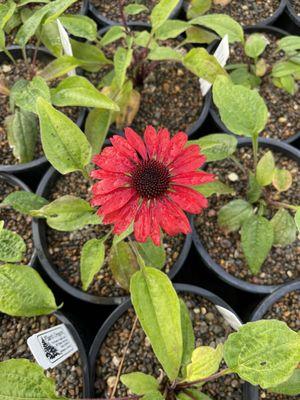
pixel 39 238
pixel 285 149
pixel 11 179
pixel 259 313
pixel 41 162
pixel 118 312
pixel 85 7
pixel 105 21
pixel 213 110
pixel 295 18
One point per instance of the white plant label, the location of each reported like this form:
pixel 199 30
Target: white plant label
pixel 222 55
pixel 52 346
pixel 66 44
pixel 230 317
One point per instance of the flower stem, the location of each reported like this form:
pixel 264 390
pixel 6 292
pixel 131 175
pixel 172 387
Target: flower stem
pixel 208 379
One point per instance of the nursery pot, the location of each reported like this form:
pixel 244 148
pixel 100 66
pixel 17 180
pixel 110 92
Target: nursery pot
pixel 291 153
pixel 39 237
pixel 102 20
pixel 213 109
pixel 119 311
pixel 14 181
pixel 81 350
pixel 193 128
pixel 259 312
pixel 292 13
pixel 33 166
pixel 85 7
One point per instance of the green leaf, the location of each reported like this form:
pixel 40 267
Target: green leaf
pixel 164 53
pixel 263 353
pixel 254 189
pixel 68 213
pixel 23 379
pixel 242 110
pixel 159 316
pixel 265 169
pixel 161 12
pixel 257 237
pixel 188 337
pixel 78 91
pixel 297 219
pixel 156 395
pixel 122 60
pixel 197 8
pixel 287 83
pixel 289 387
pixel 1 225
pixel 118 238
pixel 90 57
pixel 186 395
pixel 202 64
pixel 234 214
pixel 12 246
pixel 154 256
pixel 284 228
pixel 171 29
pixel 216 187
pixel 289 44
pixel 22 133
pixel 30 26
pixel 91 261
pixel 216 146
pixel 221 24
pixel 50 38
pixel 139 383
pixel 123 264
pixel 64 144
pixel 199 35
pixel 241 76
pixel 59 67
pixel 80 26
pixel 205 362
pixel 13 22
pixel 56 8
pixel 282 179
pixel 25 93
pixel 96 127
pixel 24 202
pixel 113 33
pixel 144 39
pixel 285 68
pixel 6 12
pixel 134 9
pixel 24 293
pixel 255 45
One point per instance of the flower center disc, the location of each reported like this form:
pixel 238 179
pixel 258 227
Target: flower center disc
pixel 151 179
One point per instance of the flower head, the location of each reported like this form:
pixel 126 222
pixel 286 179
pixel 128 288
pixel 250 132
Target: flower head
pixel 149 182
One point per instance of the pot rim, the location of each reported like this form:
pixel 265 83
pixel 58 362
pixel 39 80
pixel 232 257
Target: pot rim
pixel 292 14
pixel 213 265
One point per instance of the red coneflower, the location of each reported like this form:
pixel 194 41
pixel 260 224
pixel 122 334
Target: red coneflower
pixel 149 182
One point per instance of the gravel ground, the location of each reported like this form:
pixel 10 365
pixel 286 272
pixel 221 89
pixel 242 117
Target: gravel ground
pixel 210 329
pixel 283 263
pixel 14 333
pixel 296 6
pixel 15 221
pixel 66 257
pixel 287 310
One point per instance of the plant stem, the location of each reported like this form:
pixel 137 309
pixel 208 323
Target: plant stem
pixel 279 204
pixel 9 55
pixel 208 379
pixel 123 16
pixel 238 164
pixel 122 361
pixel 35 52
pixel 255 152
pixel 24 55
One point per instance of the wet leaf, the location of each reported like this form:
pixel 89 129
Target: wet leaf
pixel 123 264
pixel 255 45
pixel 153 256
pixel 24 202
pixel 284 228
pixel 265 169
pixel 234 214
pixel 91 260
pixel 188 337
pixel 140 383
pixel 205 362
pixel 211 188
pixel 290 387
pixel 80 26
pixel 161 12
pixel 216 146
pixel 12 246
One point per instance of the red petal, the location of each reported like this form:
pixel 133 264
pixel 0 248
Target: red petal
pixel 150 138
pixel 102 174
pixel 142 223
pixel 172 219
pixel 122 218
pixel 188 199
pixel 124 148
pixel 113 201
pixel 163 139
pixel 176 146
pixel 111 160
pixel 136 142
pixel 189 160
pixel 193 178
pixel 154 224
pixel 109 185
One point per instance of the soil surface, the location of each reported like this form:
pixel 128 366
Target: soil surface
pixel 14 333
pixel 210 330
pixel 248 12
pixel 283 263
pixel 287 310
pixel 65 247
pixel 16 221
pixel 75 8
pixel 170 94
pixel 110 9
pixel 9 74
pixel 284 109
pixel 296 6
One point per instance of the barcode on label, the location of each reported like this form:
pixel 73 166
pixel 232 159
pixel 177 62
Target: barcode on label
pixel 52 346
